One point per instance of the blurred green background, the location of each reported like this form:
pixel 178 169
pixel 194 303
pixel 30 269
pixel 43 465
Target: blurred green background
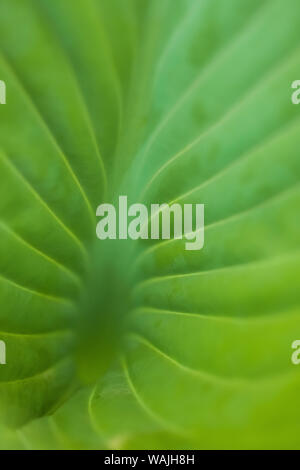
pixel 144 345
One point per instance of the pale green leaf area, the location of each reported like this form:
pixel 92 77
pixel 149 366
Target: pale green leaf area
pixel 144 344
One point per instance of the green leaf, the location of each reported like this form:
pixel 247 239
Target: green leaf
pixel 144 344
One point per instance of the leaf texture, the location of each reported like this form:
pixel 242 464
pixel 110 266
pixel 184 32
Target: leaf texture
pixel 139 345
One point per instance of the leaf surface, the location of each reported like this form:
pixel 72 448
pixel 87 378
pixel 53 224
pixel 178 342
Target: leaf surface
pixel 144 344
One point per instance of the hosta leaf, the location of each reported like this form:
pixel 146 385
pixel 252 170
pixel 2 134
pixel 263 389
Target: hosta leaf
pixel 144 344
